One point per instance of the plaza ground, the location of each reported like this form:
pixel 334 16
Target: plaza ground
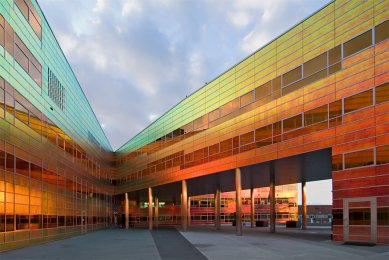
pixel 200 242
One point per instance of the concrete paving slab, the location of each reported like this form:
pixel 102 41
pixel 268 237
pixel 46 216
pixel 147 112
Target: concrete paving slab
pixel 172 245
pixel 104 244
pixel 258 243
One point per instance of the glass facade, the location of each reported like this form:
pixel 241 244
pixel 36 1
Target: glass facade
pixel 322 84
pixel 55 161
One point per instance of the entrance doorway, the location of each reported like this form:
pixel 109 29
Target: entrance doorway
pixel 360 219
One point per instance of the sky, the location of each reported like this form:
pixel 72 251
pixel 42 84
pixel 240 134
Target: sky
pixel 135 59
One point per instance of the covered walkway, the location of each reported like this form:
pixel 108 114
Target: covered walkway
pixel 301 168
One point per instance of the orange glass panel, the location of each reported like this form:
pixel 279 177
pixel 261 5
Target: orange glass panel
pixel 359 159
pixel 358 101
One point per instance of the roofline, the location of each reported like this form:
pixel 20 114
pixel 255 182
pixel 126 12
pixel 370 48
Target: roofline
pixel 60 48
pixel 219 75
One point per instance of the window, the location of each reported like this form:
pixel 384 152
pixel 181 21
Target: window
pixel 9 105
pixel 9 39
pixel 36 26
pixel 226 145
pixel 22 7
pixel 214 149
pixel 383 216
pixel 263 90
pixel 35 71
pixel 35 221
pixel 36 123
pixel 359 216
pixel 337 162
pixel 276 128
pixel 359 159
pixel 2 31
pixel 263 133
pixel 335 109
pixel 382 93
pixel 2 102
pixel 292 123
pixel 36 172
pixel 247 138
pixel 247 99
pixel 335 55
pixel 316 115
pixel 291 76
pixel 229 107
pixel 31 15
pixel 358 43
pixel 22 167
pixel 21 112
pixel 21 58
pixel 27 61
pixel 358 101
pixel 214 115
pixel 382 154
pixel 382 32
pixel 188 128
pixel 201 123
pixel 316 64
pixel 276 84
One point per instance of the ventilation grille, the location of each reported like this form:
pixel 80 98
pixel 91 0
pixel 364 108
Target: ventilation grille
pixel 56 90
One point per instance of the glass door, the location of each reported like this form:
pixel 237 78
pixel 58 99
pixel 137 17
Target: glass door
pixel 360 219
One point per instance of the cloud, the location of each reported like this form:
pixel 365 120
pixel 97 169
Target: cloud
pixel 152 117
pixel 68 42
pixel 240 19
pixel 136 59
pixel 131 7
pixel 100 6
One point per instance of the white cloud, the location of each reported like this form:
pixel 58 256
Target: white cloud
pixel 131 7
pixel 100 6
pixel 68 43
pixel 253 40
pixel 152 117
pixel 240 19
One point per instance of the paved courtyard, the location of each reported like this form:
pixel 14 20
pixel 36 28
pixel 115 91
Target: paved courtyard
pixel 200 242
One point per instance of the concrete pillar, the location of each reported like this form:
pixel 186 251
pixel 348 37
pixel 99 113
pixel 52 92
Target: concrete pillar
pixel 217 208
pixel 252 208
pixel 127 211
pixel 189 220
pixel 272 199
pixel 304 205
pixel 150 209
pixel 238 202
pixel 184 206
pixel 156 213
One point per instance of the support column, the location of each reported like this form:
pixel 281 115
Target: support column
pixel 156 213
pixel 127 211
pixel 217 208
pixel 238 202
pixel 272 199
pixel 184 207
pixel 150 209
pixel 252 207
pixel 189 220
pixel 304 205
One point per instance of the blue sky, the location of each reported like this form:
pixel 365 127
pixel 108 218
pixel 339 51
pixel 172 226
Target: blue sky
pixel 135 59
